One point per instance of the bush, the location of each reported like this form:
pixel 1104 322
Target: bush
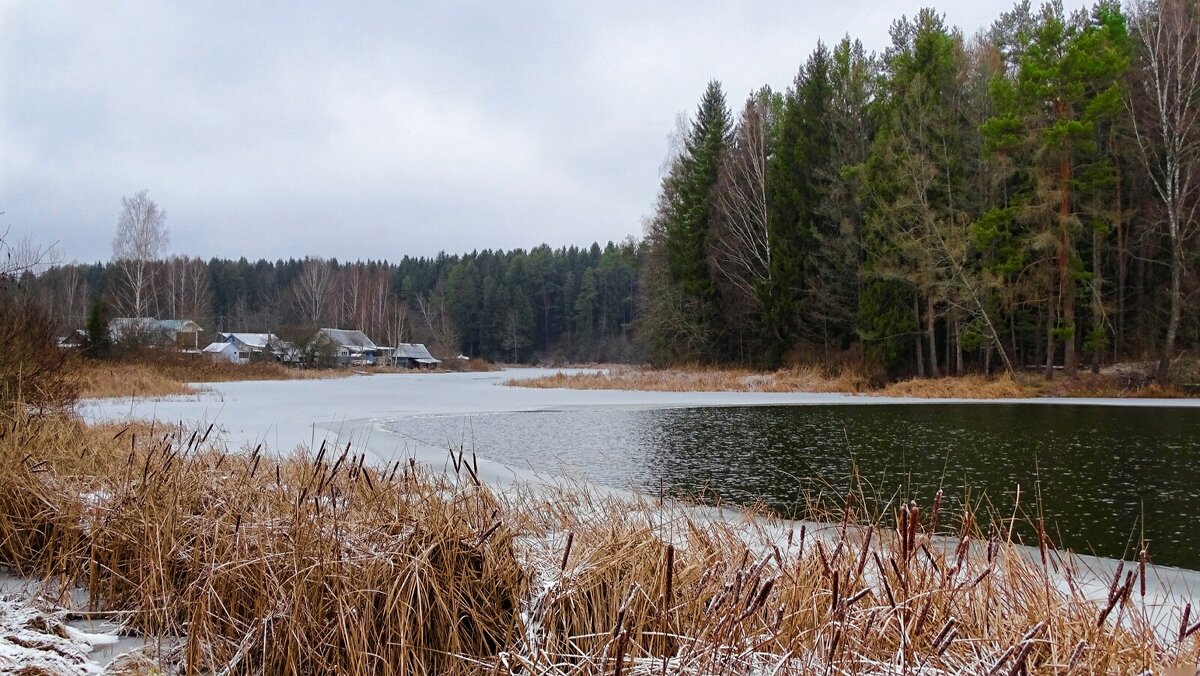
pixel 33 369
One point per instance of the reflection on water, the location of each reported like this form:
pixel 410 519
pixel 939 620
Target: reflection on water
pixel 1099 470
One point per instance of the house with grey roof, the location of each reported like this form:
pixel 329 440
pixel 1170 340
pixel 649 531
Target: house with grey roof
pixel 346 347
pixel 240 348
pixel 414 355
pixel 182 333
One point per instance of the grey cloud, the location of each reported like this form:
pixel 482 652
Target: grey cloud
pixel 376 130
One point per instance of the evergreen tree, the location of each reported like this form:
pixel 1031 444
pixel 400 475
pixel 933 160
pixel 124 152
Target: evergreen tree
pixel 1066 84
pixel 797 185
pixel 684 224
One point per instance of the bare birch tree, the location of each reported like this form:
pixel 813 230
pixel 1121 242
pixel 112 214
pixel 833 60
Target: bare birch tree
pixel 311 290
pixel 141 237
pixel 1166 119
pixel 741 249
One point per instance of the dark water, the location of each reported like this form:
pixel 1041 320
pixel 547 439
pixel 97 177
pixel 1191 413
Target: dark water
pixel 1107 476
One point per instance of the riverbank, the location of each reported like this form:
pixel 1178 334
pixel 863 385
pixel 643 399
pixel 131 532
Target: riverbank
pixel 327 561
pixel 1116 384
pixel 171 375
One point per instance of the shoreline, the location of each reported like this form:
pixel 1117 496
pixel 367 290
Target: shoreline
pixel 251 414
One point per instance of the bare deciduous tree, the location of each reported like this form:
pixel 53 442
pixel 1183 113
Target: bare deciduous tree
pixel 437 319
pixel 311 290
pixel 399 324
pixel 741 250
pixel 1166 119
pixel 141 237
pixel 189 288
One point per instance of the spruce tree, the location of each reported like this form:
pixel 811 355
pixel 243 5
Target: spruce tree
pixel 797 185
pixel 686 219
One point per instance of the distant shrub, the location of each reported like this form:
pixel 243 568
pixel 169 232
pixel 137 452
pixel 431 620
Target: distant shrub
pixel 34 374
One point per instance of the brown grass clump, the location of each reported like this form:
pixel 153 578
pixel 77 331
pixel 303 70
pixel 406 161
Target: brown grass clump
pixel 167 374
pixel 312 565
pixel 849 381
pixel 328 564
pixel 701 379
pixel 124 379
pixel 474 364
pixel 965 387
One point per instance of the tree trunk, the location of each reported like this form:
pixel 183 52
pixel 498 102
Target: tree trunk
pixel 1097 299
pixel 1066 289
pixel 1050 340
pixel 948 370
pixel 919 346
pixel 1122 269
pixel 934 372
pixel 1164 362
pixel 958 363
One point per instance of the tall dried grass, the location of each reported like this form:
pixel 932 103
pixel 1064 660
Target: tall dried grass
pixel 847 380
pixel 966 387
pixel 701 379
pixel 152 375
pixel 327 564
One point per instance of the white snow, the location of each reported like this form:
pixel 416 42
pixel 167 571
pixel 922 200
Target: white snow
pixel 36 640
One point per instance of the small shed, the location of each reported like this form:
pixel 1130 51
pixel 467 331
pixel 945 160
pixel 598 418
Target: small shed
pixel 414 355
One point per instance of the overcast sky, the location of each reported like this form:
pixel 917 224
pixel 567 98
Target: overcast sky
pixel 289 129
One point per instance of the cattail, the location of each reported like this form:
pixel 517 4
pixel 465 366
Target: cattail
pixel 670 566
pixel 862 556
pixel 1142 571
pixel 1041 533
pixel 914 519
pixel 935 512
pixel 1113 588
pixel 945 631
pixel 833 600
pixel 1075 655
pixel 567 551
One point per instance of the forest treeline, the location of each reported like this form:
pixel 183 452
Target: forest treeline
pixel 1025 196
pixel 569 303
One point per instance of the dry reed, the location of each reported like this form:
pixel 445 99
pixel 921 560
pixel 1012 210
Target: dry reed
pixel 700 379
pixel 164 376
pixel 326 563
pixel 812 379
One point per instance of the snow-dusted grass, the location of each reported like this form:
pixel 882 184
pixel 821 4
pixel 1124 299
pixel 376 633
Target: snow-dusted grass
pixel 33 641
pixel 326 563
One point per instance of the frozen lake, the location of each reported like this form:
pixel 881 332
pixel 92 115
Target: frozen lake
pixel 1102 466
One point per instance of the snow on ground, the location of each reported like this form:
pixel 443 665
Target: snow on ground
pixel 42 643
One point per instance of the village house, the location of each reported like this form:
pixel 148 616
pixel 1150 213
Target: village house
pixel 345 347
pixel 181 333
pixel 240 348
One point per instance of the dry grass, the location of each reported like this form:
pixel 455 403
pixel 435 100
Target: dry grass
pixel 700 379
pixel 161 376
pixel 812 379
pixel 325 564
pixel 966 387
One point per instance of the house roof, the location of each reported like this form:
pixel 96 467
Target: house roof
pixel 179 325
pixel 416 351
pixel 355 341
pixel 217 348
pixel 257 340
pixel 122 325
